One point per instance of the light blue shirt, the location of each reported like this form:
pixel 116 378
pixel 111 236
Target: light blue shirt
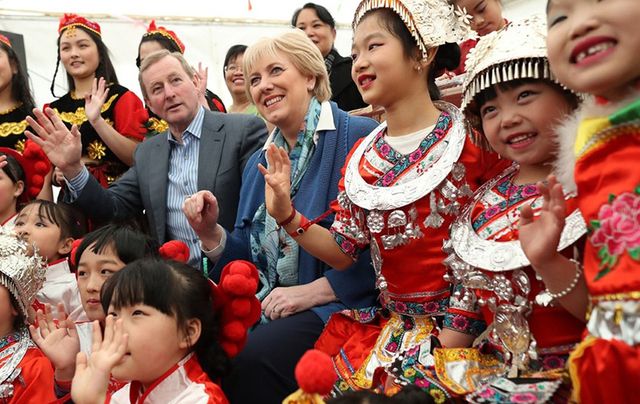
pixel 182 181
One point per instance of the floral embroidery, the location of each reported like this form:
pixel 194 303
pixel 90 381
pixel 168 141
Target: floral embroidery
pixel 401 162
pixel 513 194
pixel 617 230
pixel 433 307
pixel 465 324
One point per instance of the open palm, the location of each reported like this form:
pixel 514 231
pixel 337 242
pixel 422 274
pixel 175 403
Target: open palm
pixel 277 180
pixel 62 146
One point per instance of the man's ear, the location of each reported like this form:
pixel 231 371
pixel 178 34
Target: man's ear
pixel 192 333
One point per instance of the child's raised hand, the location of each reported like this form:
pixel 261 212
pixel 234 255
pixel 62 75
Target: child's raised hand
pixel 91 380
pixel 277 180
pixel 59 342
pixel 539 238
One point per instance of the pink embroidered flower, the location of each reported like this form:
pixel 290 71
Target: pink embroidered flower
pixel 524 398
pixel 415 156
pixel 619 221
pixel 388 177
pixel 385 149
pixel 421 382
pixel 431 307
pixel 552 362
pixel 347 246
pixel 401 307
pixel 492 211
pixel 487 393
pixel 529 190
pixel 392 346
pixel 460 322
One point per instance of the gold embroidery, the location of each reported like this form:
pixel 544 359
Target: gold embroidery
pixel 19 146
pixel 79 116
pixel 157 125
pixel 12 128
pixel 71 31
pixel 96 150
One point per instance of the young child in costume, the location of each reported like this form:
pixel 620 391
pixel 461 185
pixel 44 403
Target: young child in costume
pixel 110 117
pixel 593 48
pixel 402 186
pixel 486 17
pixel 26 375
pixel 511 96
pixel 147 299
pixel 22 178
pixel 52 228
pixel 158 38
pixel 96 257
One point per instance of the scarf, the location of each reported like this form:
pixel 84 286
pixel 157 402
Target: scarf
pixel 273 250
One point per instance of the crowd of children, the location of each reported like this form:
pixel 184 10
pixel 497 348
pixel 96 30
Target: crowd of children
pixel 504 233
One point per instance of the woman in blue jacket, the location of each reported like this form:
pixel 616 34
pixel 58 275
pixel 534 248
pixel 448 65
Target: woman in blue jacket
pixel 288 82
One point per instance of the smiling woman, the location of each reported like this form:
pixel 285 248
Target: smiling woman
pixel 287 80
pixel 110 117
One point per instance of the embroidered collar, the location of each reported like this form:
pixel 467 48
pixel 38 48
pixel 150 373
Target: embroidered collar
pixel 498 256
pixel 376 197
pixel 592 131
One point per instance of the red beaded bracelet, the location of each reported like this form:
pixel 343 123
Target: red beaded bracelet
pixel 289 219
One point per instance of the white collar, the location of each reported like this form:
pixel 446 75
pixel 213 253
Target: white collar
pixel 325 123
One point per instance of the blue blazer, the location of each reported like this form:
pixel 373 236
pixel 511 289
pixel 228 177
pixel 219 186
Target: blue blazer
pixel 354 287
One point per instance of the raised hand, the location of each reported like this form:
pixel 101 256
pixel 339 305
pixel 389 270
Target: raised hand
pixel 59 342
pixel 91 380
pixel 277 187
pixel 201 76
pixel 540 237
pixel 94 100
pixel 201 210
pixel 62 146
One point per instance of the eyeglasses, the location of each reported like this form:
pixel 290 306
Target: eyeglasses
pixel 232 68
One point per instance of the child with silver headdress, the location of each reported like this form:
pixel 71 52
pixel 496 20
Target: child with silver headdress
pixel 401 188
pixel 514 102
pixel 26 375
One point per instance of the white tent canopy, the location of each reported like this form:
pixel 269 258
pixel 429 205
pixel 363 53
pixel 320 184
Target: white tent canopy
pixel 208 29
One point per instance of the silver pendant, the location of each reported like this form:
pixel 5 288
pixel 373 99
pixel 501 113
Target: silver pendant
pixel 375 221
pixel 544 299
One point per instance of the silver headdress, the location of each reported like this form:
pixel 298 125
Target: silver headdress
pixel 22 272
pixel 431 22
pixel 517 51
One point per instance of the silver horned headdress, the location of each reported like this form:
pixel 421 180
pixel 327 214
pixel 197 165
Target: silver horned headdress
pixel 517 51
pixel 22 271
pixel 431 22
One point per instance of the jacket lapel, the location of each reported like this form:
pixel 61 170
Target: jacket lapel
pixel 158 181
pixel 211 146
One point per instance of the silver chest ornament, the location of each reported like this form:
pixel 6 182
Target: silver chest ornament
pixel 479 264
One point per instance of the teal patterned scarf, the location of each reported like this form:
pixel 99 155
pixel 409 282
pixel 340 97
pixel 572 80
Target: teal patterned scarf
pixel 274 251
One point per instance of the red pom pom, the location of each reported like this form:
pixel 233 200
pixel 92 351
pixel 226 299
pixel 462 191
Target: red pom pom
pixel 74 249
pixel 41 168
pixel 314 373
pixel 240 307
pixel 234 331
pixel 239 285
pixel 175 250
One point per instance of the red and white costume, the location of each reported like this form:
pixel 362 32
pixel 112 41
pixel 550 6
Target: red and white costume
pixel 60 286
pixel 184 383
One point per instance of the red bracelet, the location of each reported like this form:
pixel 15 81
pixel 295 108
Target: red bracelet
pixel 289 219
pixel 305 223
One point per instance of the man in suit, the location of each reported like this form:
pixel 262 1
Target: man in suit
pixel 202 150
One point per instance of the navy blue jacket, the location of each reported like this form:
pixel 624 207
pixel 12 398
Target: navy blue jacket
pixel 354 287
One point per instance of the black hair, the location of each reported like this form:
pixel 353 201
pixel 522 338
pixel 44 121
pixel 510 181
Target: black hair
pixel 20 90
pixel 14 170
pixel 165 42
pixel 232 54
pixel 408 395
pixel 323 15
pixel 490 93
pixel 127 243
pixel 105 67
pixel 176 290
pixel 447 56
pixel 62 215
